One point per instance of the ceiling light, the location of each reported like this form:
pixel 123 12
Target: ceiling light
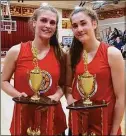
pixel 77 7
pixel 100 1
pixel 97 1
pixel 44 4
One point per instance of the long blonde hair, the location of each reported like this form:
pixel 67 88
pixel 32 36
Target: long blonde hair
pixel 53 40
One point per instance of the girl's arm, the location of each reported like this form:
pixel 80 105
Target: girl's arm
pixel 8 70
pixel 69 80
pixel 116 63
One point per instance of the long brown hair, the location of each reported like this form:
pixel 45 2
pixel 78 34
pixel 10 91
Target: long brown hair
pixel 77 47
pixel 54 39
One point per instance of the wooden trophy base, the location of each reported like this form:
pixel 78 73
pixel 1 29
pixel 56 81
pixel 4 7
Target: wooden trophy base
pixel 79 105
pixel 44 101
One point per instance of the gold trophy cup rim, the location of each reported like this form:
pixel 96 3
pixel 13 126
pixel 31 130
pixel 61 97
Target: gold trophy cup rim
pixel 33 81
pixel 46 90
pixel 90 95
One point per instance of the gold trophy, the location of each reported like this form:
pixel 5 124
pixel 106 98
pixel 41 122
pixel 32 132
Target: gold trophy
pixel 35 81
pixel 39 80
pixel 86 82
pixel 35 78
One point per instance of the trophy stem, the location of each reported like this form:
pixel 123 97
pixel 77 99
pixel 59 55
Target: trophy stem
pixel 35 97
pixel 87 102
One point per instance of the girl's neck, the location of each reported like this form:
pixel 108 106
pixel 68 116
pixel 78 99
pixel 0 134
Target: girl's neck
pixel 41 44
pixel 91 45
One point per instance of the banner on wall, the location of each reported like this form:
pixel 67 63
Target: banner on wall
pixel 101 15
pixel 27 11
pixel 112 14
pixel 66 24
pixel 66 13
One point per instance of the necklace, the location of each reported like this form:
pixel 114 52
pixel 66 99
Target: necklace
pixel 86 82
pixel 35 58
pixel 85 58
pixel 42 54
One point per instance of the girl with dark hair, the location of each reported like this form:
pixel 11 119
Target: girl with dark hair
pixel 106 64
pixel 50 58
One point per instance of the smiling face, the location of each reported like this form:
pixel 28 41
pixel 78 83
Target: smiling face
pixel 45 25
pixel 83 26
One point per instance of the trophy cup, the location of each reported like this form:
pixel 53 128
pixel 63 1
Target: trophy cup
pixel 37 78
pixel 86 83
pixel 86 87
pixel 35 81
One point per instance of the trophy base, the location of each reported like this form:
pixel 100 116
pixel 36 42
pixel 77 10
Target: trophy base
pixel 35 98
pixel 87 102
pixel 80 105
pixel 43 100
